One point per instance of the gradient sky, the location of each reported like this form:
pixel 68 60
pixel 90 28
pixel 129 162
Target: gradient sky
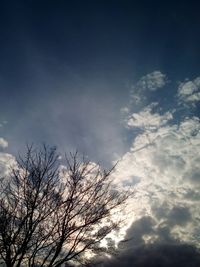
pixel 116 80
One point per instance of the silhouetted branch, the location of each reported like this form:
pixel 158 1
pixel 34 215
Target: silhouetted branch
pixel 50 215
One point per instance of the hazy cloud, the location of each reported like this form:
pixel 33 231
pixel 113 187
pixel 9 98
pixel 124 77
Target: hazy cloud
pixel 3 143
pixel 153 81
pixel 149 83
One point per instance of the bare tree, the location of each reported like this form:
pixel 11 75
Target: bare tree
pixel 52 214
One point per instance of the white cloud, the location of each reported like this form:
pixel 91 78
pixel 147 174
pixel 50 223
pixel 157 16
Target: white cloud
pixel 148 120
pixel 3 143
pixel 153 81
pixel 187 88
pixel 189 91
pixel 163 165
pixel 147 84
pixel 7 161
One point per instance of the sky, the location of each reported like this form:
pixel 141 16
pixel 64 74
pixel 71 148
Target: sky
pixel 117 81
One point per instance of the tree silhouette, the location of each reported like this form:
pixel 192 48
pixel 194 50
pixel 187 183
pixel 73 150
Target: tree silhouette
pixel 52 214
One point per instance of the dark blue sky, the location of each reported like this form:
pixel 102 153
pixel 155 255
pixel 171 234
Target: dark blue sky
pixel 99 36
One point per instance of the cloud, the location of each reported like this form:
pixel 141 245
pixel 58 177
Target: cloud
pixel 162 255
pixel 149 244
pixel 153 81
pixel 148 120
pixel 166 158
pixel 3 143
pixel 189 91
pixel 6 162
pixel 162 164
pixel 135 234
pixel 179 216
pixel 147 84
pixel 146 244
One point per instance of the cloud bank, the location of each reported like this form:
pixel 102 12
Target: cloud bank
pixel 163 166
